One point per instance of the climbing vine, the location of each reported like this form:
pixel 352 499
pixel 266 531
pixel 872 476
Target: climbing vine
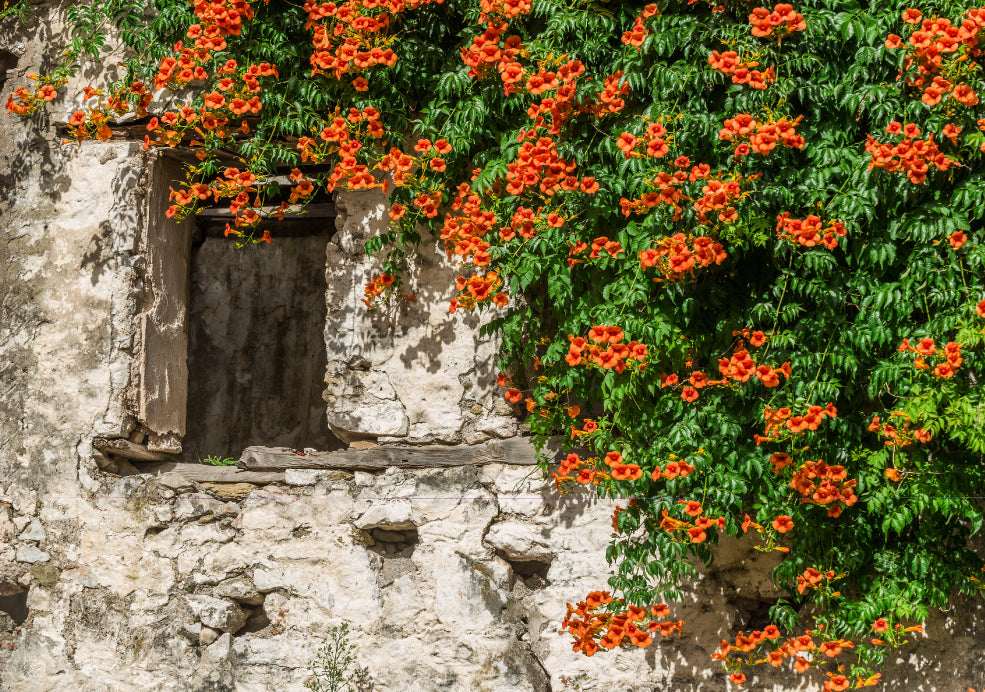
pixel 734 254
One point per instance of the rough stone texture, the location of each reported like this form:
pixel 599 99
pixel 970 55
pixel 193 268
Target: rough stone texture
pixel 410 371
pixel 217 613
pixel 134 604
pixel 131 580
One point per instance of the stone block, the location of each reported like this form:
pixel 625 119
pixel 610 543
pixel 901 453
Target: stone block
pixel 519 540
pixel 191 631
pixel 33 532
pixel 207 635
pixel 186 508
pixel 239 589
pixel 31 554
pixel 387 513
pixel 217 613
pixel 217 652
pixel 303 476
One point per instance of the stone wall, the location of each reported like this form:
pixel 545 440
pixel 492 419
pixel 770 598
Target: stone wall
pixel 450 579
pixel 411 372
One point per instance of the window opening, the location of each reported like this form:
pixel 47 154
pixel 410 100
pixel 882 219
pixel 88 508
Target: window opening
pixel 256 346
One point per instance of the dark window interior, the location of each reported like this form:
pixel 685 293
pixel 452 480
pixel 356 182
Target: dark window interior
pixel 256 348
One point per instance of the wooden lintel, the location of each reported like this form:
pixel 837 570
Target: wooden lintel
pixel 516 451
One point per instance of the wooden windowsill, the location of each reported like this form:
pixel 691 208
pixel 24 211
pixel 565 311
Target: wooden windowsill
pixel 261 465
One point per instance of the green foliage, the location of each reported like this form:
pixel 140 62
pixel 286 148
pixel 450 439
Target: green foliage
pixel 334 667
pixel 18 9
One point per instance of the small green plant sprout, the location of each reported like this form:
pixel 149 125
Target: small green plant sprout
pixel 213 460
pixel 334 667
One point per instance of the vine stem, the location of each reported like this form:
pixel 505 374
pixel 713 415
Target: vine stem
pixel 820 366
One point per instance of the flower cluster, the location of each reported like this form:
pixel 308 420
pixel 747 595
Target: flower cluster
pixel 478 289
pixel 717 196
pixel 612 248
pixel 494 11
pixel 607 351
pixel 239 187
pixel 562 105
pixel 539 165
pixel 898 433
pixel 781 21
pixel 226 16
pixel 610 99
pixel 611 466
pixel 676 256
pixel 810 231
pixel 755 644
pixel 761 137
pixel 949 357
pixel 820 484
pixel 94 122
pixel 895 635
pixel 489 48
pixel 593 470
pixel 24 101
pixel 349 140
pixel 351 37
pixel 464 233
pixel 937 47
pixel 587 469
pixel 593 628
pixel 737 368
pixel 717 193
pixel 696 530
pixel 741 72
pixel 674 468
pixel 909 155
pixel 740 366
pixel 378 289
pixel 635 36
pixel 620 470
pixel 236 96
pixel 781 423
pixel 781 524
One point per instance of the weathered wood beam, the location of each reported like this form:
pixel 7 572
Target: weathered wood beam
pixel 203 473
pixel 518 451
pixel 159 463
pixel 129 450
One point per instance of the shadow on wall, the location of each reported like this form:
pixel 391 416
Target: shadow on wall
pixel 37 173
pixel 409 369
pixel 101 252
pixel 31 146
pixel 428 276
